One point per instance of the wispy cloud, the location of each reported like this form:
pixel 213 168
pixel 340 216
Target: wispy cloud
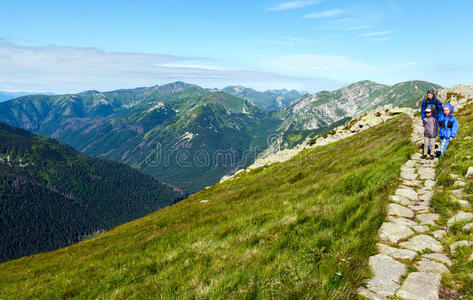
pixel 379 33
pixel 325 14
pixel 356 27
pixel 72 69
pixel 383 39
pixel 289 41
pixel 344 20
pixel 293 5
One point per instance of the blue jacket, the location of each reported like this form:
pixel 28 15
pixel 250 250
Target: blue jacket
pixel 448 125
pixel 434 102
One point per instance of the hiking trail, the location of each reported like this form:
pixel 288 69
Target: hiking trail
pixel 410 257
pixel 409 237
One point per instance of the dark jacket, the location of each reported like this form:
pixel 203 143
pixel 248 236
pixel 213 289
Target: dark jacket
pixel 448 125
pixel 434 104
pixel 430 127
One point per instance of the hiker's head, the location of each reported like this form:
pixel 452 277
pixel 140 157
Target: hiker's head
pixel 428 111
pixel 447 109
pixel 430 94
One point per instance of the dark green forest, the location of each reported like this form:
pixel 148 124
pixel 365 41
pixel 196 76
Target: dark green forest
pixel 52 196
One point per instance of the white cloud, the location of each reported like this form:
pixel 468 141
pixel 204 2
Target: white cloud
pixel 325 14
pixel 379 33
pixel 383 39
pixel 70 69
pixel 352 28
pixel 293 5
pixel 344 20
pixel 289 41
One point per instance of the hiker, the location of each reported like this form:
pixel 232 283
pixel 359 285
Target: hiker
pixel 430 133
pixel 448 127
pixel 434 104
pixel 436 109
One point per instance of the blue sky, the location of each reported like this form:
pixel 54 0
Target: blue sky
pixel 71 46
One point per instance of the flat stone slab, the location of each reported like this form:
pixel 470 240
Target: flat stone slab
pixel 422 242
pixel 406 192
pixel 459 183
pixel 393 232
pixel 429 183
pixel 468 227
pixel 420 286
pixel 463 243
pixel 426 196
pixel 427 219
pixel 439 234
pixel 408 175
pixel 419 208
pixel 427 265
pixel 395 252
pixel 459 217
pixel 400 211
pixel 412 182
pixel 370 295
pixel 463 203
pixel 402 221
pixel 426 173
pixel 420 228
pixel 469 173
pixel 401 200
pixel 457 193
pixel 409 164
pixel 387 273
pixel 439 257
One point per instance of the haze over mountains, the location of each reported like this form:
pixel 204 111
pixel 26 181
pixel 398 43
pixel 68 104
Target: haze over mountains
pixel 4 96
pixel 188 136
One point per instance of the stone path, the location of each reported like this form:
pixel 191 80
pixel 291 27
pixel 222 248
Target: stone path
pixel 410 257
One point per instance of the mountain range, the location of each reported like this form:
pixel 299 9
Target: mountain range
pixel 52 196
pixel 268 100
pixel 190 137
pixel 4 96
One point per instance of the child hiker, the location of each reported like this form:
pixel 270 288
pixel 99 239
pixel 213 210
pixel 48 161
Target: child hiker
pixel 430 133
pixel 448 128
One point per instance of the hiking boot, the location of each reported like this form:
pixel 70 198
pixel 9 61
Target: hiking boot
pixel 423 157
pixel 432 157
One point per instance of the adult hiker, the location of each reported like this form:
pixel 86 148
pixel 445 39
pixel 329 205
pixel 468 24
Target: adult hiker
pixel 434 104
pixel 436 110
pixel 448 128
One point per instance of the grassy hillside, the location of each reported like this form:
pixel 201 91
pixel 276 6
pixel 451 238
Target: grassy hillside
pixel 300 229
pixel 52 196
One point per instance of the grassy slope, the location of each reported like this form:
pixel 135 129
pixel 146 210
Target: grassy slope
pixel 304 228
pixel 457 159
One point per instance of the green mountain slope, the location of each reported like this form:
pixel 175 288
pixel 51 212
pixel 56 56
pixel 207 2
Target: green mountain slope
pixel 268 100
pixel 51 195
pixel 300 229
